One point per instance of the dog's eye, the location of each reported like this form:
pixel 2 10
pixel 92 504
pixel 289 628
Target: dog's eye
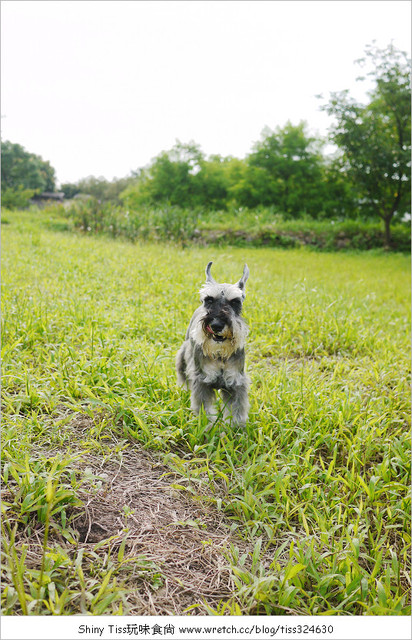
pixel 209 300
pixel 236 304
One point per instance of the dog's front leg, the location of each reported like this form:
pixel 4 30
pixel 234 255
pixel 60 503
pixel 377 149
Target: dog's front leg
pixel 203 395
pixel 236 404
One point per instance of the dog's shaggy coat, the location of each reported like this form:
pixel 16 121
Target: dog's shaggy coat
pixel 212 356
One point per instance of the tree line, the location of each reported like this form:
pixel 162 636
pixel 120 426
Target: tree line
pixel 287 169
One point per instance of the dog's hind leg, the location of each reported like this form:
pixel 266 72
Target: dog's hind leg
pixel 181 366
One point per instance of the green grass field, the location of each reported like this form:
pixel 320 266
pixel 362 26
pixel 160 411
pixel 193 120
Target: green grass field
pixel 116 500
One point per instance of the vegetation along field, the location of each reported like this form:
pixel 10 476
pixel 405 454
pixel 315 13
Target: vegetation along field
pixel 116 499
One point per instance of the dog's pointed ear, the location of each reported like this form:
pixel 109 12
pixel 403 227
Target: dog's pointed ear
pixel 242 281
pixel 209 278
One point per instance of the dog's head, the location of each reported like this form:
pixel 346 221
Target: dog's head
pixel 222 304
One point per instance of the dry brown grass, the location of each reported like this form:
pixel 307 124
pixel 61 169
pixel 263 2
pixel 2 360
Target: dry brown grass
pixel 185 537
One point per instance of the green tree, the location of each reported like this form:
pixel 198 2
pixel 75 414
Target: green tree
pixel 212 182
pixel 341 194
pixel 70 189
pixel 286 170
pixel 170 178
pixel 24 170
pixel 254 187
pixel 375 137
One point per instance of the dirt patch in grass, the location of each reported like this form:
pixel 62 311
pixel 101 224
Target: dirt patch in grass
pixel 180 533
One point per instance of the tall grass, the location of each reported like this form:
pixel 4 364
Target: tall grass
pixel 148 223
pixel 318 484
pixel 236 227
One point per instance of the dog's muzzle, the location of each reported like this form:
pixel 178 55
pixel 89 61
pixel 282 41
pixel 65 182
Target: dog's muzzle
pixel 215 335
pixel 218 329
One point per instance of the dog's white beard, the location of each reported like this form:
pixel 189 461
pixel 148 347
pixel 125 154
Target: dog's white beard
pixel 225 349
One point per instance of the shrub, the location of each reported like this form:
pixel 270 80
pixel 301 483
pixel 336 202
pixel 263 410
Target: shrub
pixel 18 198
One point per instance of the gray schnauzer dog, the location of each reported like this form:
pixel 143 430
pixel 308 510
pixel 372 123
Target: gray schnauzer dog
pixel 212 356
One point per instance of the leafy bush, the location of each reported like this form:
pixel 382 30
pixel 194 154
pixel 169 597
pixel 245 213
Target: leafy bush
pixel 17 198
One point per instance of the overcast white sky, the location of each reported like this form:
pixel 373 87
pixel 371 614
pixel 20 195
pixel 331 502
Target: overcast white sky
pixel 101 87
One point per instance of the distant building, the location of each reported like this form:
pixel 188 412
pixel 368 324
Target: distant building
pixel 47 197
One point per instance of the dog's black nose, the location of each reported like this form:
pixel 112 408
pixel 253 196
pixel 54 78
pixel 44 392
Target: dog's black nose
pixel 217 325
